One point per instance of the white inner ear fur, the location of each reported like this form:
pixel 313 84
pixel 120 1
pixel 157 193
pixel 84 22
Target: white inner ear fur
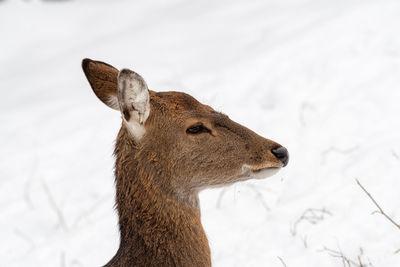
pixel 112 102
pixel 134 101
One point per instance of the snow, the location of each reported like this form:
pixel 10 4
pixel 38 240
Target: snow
pixel 320 77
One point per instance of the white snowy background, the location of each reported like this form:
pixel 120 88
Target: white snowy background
pixel 320 77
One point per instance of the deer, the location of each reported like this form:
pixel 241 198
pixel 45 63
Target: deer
pixel 168 149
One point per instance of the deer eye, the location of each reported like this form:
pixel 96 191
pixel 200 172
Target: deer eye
pixel 197 129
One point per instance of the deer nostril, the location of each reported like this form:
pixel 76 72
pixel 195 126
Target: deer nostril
pixel 281 154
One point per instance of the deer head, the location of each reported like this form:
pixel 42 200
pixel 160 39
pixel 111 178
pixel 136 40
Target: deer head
pixel 176 136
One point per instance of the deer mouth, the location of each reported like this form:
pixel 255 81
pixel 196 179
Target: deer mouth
pixel 259 173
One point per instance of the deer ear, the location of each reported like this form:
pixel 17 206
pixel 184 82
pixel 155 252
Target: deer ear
pixel 134 100
pixel 103 80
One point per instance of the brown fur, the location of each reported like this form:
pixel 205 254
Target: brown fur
pixel 159 176
pixel 103 77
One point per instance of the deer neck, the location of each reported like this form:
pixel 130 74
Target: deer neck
pixel 157 227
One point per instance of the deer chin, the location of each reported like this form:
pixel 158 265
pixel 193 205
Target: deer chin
pixel 259 173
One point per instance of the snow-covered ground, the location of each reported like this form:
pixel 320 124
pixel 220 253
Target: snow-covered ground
pixel 320 77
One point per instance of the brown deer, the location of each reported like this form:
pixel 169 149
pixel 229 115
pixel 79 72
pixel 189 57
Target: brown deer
pixel 170 147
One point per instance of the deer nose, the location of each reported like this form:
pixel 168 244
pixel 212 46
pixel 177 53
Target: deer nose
pixel 281 154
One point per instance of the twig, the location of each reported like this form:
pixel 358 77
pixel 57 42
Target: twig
pixel 395 155
pixel 62 259
pixel 282 261
pixel 377 205
pixel 221 194
pixel 259 196
pixel 90 210
pixel 55 207
pixel 26 237
pixel 339 254
pixel 312 216
pixel 347 262
pixel 302 111
pixel 305 243
pixel 28 183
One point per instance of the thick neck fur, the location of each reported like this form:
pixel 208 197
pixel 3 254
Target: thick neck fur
pixel 157 227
